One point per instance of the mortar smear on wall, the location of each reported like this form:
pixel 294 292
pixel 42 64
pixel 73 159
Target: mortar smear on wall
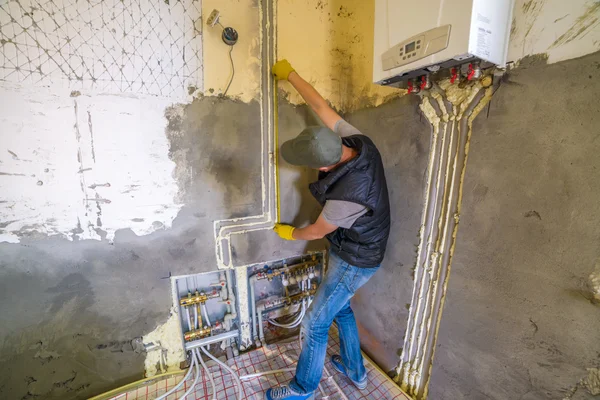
pixel 330 43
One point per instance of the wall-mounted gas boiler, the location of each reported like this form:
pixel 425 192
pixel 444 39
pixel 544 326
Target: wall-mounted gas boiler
pixel 414 39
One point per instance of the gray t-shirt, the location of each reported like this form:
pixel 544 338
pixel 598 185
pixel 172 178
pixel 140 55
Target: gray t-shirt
pixel 338 212
pixel 343 128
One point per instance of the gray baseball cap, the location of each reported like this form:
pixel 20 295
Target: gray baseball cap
pixel 315 147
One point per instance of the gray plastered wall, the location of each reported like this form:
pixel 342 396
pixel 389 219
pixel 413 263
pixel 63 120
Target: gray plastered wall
pixel 520 319
pixel 74 311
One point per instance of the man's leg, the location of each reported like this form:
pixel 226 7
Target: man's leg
pixel 351 355
pixel 332 295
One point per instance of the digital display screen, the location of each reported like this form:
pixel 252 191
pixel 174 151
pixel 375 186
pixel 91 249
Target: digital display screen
pixel 409 48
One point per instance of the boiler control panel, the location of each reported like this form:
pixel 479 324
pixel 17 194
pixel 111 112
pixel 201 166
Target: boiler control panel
pixel 416 47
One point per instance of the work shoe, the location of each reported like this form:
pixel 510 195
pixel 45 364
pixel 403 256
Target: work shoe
pixel 286 393
pixel 338 364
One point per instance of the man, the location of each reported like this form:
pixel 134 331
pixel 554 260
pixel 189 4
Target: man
pixel 356 221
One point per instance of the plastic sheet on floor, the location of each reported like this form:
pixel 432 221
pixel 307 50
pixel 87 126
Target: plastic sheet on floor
pixel 334 385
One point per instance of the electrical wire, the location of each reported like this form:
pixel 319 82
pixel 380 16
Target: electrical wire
pixel 231 371
pixel 232 70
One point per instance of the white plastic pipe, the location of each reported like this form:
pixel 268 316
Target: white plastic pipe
pixel 210 377
pixel 260 324
pixel 259 374
pixel 193 385
pixel 174 389
pixel 231 371
pixel 294 323
pixel 205 312
pixel 231 314
pixel 187 318
pixel 253 304
pixel 229 284
pixel 337 387
pixel 195 317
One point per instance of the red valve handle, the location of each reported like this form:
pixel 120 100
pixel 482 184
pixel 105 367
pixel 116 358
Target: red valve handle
pixel 471 72
pixel 410 87
pixel 454 75
pixel 423 82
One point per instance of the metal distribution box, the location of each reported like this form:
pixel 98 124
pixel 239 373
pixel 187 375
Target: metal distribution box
pixel 413 38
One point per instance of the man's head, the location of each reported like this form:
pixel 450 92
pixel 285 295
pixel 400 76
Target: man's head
pixel 316 147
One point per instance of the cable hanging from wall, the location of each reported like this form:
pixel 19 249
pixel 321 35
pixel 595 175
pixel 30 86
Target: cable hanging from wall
pixel 230 38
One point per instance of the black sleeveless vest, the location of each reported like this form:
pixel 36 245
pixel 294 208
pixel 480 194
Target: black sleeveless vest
pixel 362 181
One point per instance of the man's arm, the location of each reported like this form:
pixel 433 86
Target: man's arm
pixel 315 231
pixel 283 70
pixel 314 100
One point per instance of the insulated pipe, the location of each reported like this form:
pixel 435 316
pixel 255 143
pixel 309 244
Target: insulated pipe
pixel 450 227
pixel 430 261
pixel 438 137
pixel 231 371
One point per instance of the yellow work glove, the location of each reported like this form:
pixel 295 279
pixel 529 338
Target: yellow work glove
pixel 284 231
pixel 282 69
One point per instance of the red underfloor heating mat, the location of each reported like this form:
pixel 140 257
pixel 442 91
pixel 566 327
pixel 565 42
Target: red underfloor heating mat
pixel 334 386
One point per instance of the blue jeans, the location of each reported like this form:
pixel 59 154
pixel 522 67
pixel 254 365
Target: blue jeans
pixel 332 301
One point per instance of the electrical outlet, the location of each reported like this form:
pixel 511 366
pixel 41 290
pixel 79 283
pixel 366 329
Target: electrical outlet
pixel 213 18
